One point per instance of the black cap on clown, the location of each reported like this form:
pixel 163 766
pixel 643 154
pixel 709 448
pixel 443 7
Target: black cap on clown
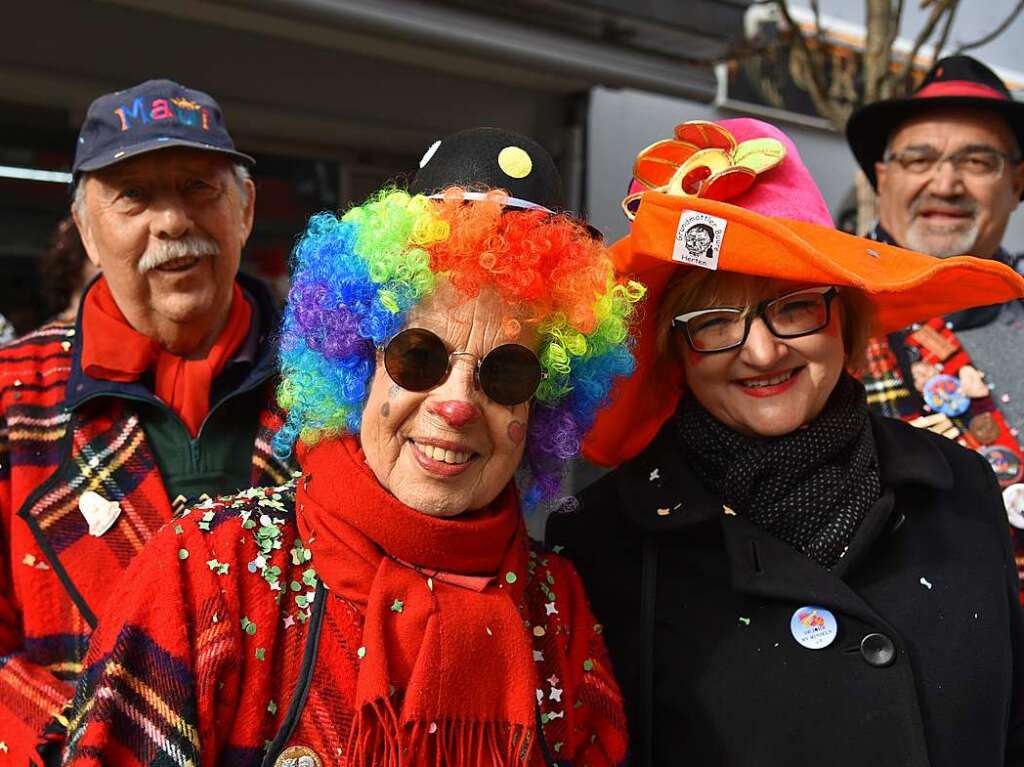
pixel 494 159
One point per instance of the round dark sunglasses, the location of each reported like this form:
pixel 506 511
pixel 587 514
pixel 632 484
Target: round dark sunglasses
pixel 418 360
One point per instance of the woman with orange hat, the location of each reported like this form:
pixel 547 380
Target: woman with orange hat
pixel 781 574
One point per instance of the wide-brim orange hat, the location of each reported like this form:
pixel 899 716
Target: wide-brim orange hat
pixel 747 235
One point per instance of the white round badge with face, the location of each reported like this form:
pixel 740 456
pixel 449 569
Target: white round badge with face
pixel 813 627
pixel 1013 497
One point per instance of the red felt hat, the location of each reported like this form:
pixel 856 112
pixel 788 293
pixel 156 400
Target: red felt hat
pixel 778 227
pixel 955 81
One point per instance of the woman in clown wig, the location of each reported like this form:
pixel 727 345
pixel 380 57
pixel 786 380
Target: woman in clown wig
pixel 386 607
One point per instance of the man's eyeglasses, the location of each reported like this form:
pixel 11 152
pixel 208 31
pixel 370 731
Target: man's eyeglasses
pixel 793 315
pixel 976 163
pixel 417 360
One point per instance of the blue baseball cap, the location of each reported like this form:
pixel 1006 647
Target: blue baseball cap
pixel 156 114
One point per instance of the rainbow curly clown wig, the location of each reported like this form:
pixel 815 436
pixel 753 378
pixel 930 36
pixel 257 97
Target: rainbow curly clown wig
pixel 356 278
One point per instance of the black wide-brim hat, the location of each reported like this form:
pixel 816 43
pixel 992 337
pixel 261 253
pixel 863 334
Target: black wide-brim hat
pixel 956 81
pixel 478 159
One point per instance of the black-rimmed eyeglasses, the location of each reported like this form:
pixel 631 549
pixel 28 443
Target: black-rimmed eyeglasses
pixel 793 315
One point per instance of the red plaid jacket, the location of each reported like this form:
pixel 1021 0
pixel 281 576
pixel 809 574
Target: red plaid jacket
pixel 221 647
pixel 62 435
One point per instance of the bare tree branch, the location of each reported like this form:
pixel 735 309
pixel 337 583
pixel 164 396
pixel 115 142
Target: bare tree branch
pixel 817 24
pixel 994 33
pixel 945 33
pixel 817 88
pixel 939 8
pixel 889 77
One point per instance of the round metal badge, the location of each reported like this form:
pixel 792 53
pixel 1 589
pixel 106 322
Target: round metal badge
pixel 984 428
pixel 1004 462
pixel 943 394
pixel 1013 497
pixel 813 627
pixel 298 756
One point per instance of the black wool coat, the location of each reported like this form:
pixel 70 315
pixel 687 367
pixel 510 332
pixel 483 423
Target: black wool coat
pixel 927 664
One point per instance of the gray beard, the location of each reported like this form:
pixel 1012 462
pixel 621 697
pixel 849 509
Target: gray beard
pixel 955 243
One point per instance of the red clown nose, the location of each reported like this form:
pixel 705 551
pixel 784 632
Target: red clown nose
pixel 456 413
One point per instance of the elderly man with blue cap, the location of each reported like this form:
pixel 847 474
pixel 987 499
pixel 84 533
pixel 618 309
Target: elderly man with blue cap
pixel 155 395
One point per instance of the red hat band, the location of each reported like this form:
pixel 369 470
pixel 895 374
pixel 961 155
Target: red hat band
pixel 959 88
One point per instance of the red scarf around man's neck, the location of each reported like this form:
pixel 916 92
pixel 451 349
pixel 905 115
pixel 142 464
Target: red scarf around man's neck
pixel 113 350
pixel 447 670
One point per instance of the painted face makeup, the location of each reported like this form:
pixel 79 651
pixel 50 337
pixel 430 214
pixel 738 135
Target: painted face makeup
pixel 449 449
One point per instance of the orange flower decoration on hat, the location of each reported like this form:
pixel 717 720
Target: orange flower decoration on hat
pixel 703 160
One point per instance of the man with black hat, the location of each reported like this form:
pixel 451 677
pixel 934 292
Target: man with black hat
pixel 946 163
pixel 157 393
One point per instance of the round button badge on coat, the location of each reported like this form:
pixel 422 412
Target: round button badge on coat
pixel 813 627
pixel 877 650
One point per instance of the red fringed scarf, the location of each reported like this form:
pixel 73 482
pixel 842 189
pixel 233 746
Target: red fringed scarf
pixel 115 351
pixel 447 672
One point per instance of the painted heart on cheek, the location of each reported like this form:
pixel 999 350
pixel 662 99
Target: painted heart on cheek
pixel 516 432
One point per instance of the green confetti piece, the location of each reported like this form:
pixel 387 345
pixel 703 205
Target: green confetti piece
pixel 301 601
pixel 544 718
pixel 222 568
pixel 248 626
pixel 744 620
pixel 551 579
pixel 178 530
pixel 309 577
pixel 588 665
pixel 361 653
pixel 558 549
pixel 296 586
pixel 183 554
pixel 557 746
pixel 208 516
pixel 397 606
pixel 272 707
pixel 261 653
pixel 510 577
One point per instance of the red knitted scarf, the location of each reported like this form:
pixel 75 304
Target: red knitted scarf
pixel 115 351
pixel 446 673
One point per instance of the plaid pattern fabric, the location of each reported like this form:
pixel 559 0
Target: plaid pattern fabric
pixel 54 577
pixel 220 688
pixel 887 392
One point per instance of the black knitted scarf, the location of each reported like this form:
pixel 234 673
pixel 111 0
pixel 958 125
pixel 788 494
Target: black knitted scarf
pixel 810 488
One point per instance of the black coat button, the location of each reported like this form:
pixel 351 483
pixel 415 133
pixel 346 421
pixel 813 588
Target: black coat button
pixel 878 650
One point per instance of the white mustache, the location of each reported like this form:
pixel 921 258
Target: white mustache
pixel 164 251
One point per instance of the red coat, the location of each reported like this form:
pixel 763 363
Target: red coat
pixel 201 659
pixel 62 435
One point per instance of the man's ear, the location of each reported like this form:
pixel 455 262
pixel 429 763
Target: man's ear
pixel 81 219
pixel 880 170
pixel 249 210
pixel 1017 182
